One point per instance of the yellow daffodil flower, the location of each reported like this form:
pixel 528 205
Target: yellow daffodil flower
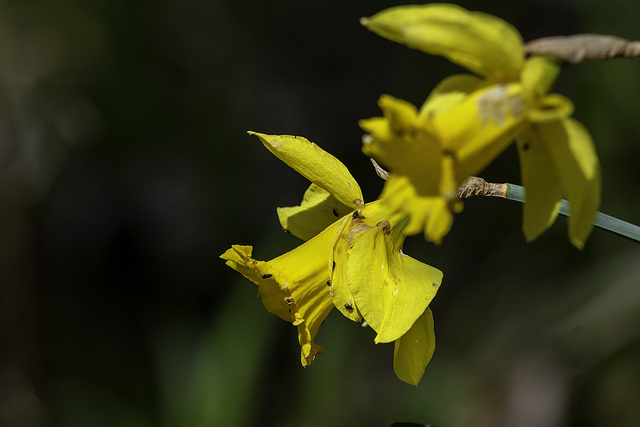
pixel 469 119
pixel 352 259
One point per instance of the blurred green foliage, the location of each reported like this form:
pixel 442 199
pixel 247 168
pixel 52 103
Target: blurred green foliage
pixel 125 170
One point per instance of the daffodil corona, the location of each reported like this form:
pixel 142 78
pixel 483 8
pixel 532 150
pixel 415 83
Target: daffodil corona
pixel 469 119
pixel 351 259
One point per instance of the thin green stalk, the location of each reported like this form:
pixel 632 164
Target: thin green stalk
pixel 604 221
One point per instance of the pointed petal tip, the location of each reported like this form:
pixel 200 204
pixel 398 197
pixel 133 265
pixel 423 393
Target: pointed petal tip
pixel 529 236
pixel 364 22
pixel 578 243
pixel 410 380
pixel 381 339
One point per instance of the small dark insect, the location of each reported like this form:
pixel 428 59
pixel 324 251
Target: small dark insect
pixel 358 215
pixel 525 146
pixel 335 212
pixel 288 300
pixel 328 282
pixel 266 276
pixel 349 306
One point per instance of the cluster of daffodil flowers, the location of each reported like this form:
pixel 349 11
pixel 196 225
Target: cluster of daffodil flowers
pixel 352 257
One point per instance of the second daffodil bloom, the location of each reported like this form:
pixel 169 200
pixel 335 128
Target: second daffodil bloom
pixel 469 119
pixel 352 259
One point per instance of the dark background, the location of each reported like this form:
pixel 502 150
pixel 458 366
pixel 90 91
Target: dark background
pixel 126 170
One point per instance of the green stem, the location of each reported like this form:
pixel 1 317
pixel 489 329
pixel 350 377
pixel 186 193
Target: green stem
pixel 606 222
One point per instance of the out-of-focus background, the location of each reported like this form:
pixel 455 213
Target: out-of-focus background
pixel 126 170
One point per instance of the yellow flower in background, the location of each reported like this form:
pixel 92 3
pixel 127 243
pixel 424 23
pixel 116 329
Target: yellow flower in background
pixel 351 260
pixel 481 43
pixel 469 119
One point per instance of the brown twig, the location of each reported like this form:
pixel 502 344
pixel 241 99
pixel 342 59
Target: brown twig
pixel 475 186
pixel 584 47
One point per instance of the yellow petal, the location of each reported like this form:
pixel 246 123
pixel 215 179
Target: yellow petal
pixel 438 214
pixel 449 93
pixel 478 129
pixel 413 351
pixel 341 295
pixel 400 113
pixel 351 228
pixel 400 143
pixel 482 43
pixel 316 165
pixel 539 74
pixel 432 215
pixel 293 286
pixel 541 182
pixel 550 108
pixel 318 210
pixel 390 288
pixel 577 166
pixel 399 119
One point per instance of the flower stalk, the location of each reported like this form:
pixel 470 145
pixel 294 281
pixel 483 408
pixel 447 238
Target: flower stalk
pixel 475 186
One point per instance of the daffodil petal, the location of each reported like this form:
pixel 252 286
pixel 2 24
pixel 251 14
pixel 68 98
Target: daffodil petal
pixel 351 228
pixel 399 142
pixel 482 43
pixel 438 214
pixel 293 286
pixel 316 165
pixel 318 210
pixel 413 351
pixel 390 288
pixel 539 73
pixel 576 163
pixel 478 129
pixel 551 108
pixel 401 114
pixel 541 182
pixel 341 296
pixel 449 93
pixel 432 215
